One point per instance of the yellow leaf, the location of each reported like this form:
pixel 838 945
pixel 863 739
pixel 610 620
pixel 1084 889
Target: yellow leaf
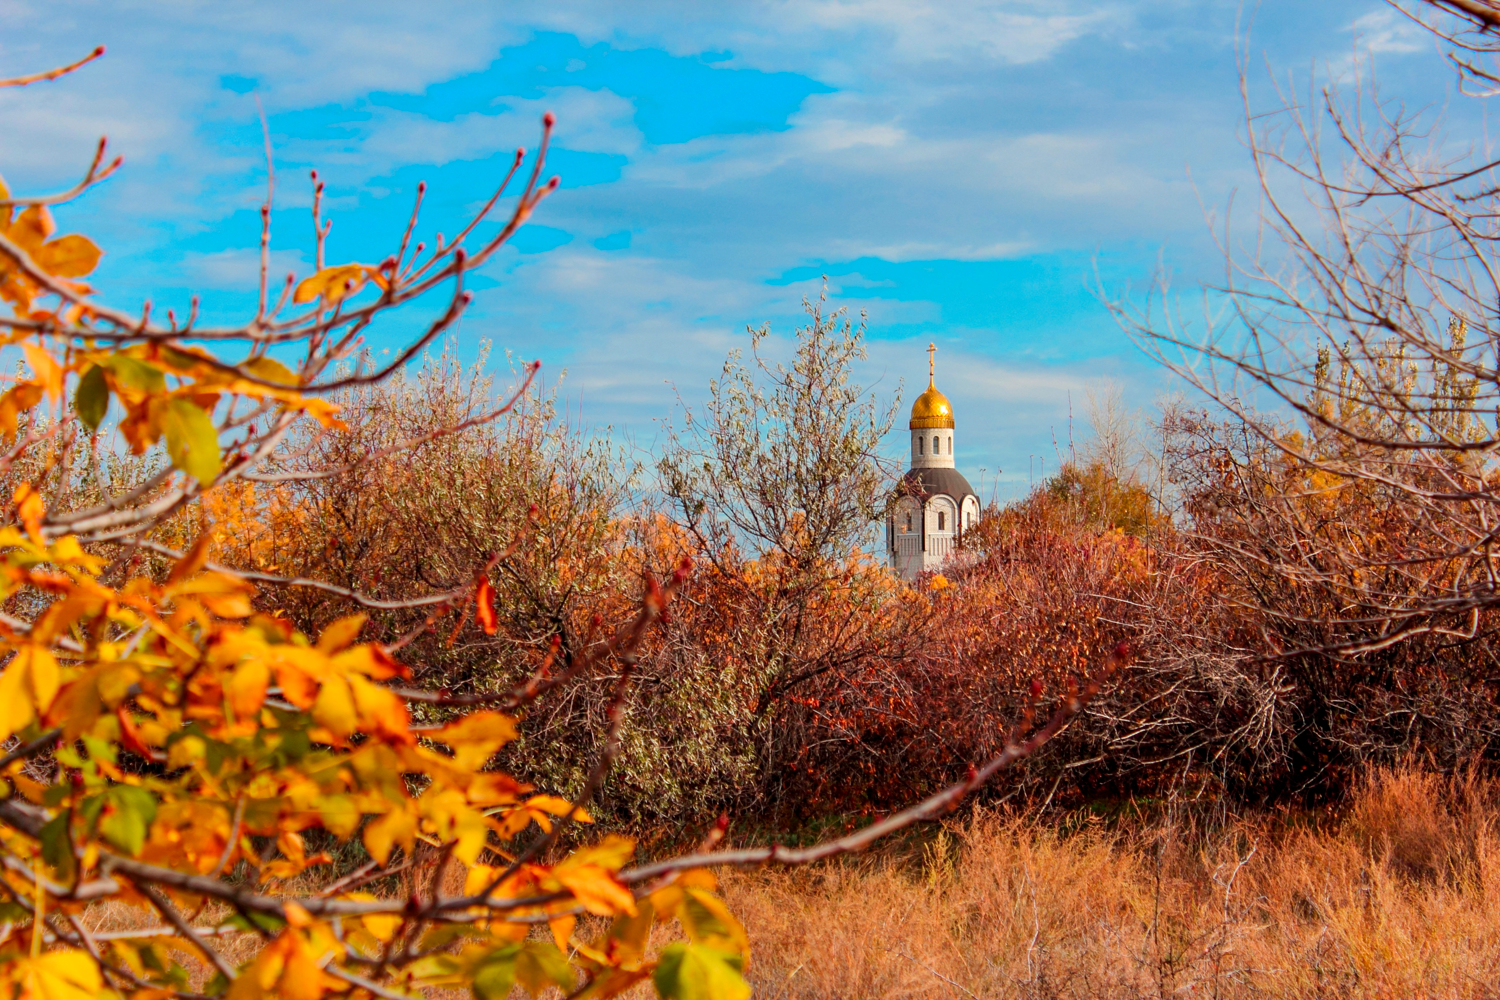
pixel 247 688
pixel 478 878
pixel 60 975
pixel 16 401
pixel 562 931
pixel 383 925
pixel 193 559
pixel 372 661
pixel 32 228
pixel 70 256
pixel 396 827
pixel 270 369
pixel 29 506
pixel 611 854
pixel 228 605
pixel 333 283
pixel 381 710
pixel 557 807
pixel 475 737
pixel 44 675
pixel 339 634
pixel 334 707
pixel 49 375
pixel 27 687
pixel 597 891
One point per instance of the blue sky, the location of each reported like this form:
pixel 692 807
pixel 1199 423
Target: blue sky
pixel 960 169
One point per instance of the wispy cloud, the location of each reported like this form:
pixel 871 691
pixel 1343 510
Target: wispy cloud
pixel 953 164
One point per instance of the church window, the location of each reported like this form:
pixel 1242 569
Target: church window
pixel 950 444
pixel 942 521
pixel 921 443
pixel 937 448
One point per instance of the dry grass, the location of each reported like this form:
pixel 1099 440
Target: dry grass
pixel 1399 898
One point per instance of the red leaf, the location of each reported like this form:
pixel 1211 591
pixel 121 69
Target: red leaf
pixel 484 600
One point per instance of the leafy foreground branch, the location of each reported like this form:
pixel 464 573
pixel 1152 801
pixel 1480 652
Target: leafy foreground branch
pixel 176 750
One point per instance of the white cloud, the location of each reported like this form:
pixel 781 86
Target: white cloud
pixel 1387 31
pixel 657 334
pixel 588 121
pixel 1012 31
pixel 239 269
pixel 902 252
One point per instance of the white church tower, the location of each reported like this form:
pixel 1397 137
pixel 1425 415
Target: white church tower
pixel 936 503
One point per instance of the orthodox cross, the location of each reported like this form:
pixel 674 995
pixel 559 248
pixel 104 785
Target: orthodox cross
pixel 931 368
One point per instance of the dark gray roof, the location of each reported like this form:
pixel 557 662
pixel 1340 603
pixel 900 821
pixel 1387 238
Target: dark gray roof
pixel 931 482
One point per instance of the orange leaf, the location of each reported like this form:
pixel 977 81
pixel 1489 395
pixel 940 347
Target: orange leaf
pixel 333 283
pixel 70 256
pixel 17 400
pixel 596 890
pixel 49 375
pixel 475 737
pixel 32 228
pixel 193 560
pixel 484 599
pixel 29 506
pixel 338 635
pixel 334 707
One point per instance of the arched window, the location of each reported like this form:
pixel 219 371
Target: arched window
pixel 921 443
pixel 942 521
pixel 937 448
pixel 950 444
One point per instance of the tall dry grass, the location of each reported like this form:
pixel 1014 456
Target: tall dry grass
pixel 1398 897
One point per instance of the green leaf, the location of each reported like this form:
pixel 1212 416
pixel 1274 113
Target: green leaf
pixel 270 369
pixel 253 920
pixel 697 972
pixel 540 965
pixel 91 401
pixel 192 441
pixel 136 374
pixel 495 976
pixel 56 849
pixel 125 824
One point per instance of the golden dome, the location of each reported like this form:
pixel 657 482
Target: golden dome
pixel 932 408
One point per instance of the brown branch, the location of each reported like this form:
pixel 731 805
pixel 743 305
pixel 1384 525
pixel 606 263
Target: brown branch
pixel 52 74
pixel 94 175
pixel 1480 12
pixel 166 909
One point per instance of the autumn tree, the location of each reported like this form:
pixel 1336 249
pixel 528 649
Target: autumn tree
pixel 782 468
pixel 1339 473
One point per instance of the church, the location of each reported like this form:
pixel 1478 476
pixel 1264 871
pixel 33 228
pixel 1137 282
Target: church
pixel 935 504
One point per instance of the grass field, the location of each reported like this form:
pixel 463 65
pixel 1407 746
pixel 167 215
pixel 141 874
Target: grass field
pixel 1395 897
